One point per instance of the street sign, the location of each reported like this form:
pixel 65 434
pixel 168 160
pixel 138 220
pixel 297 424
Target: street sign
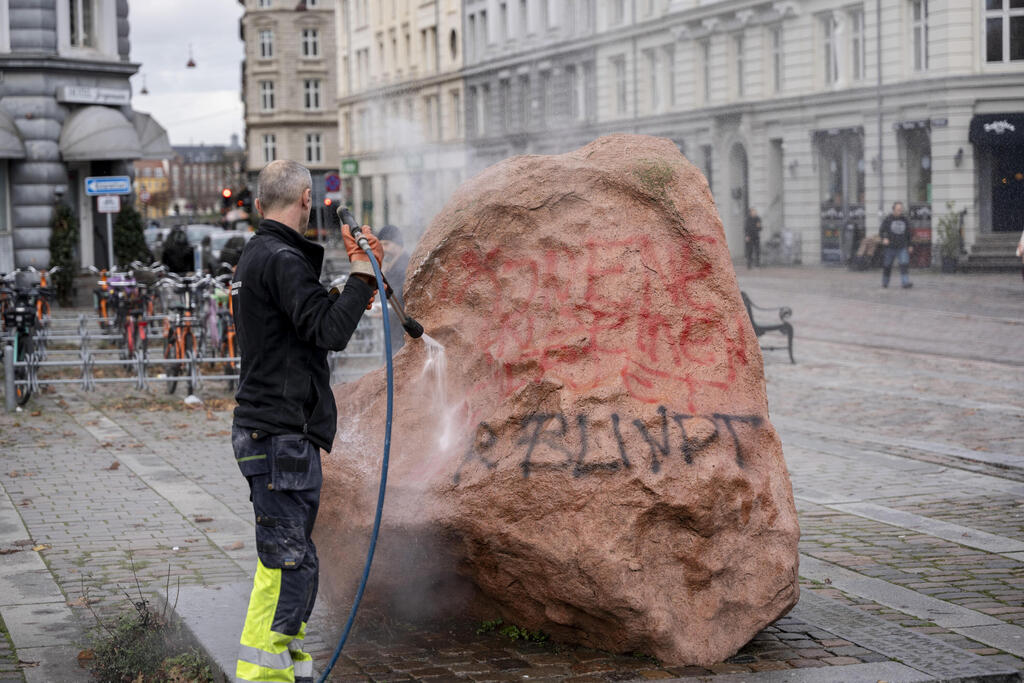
pixel 333 182
pixel 108 203
pixel 350 167
pixel 111 184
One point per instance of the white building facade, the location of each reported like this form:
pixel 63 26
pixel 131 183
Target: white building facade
pixel 820 113
pixel 400 108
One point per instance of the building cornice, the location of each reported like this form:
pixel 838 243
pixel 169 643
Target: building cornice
pixel 400 88
pixel 49 62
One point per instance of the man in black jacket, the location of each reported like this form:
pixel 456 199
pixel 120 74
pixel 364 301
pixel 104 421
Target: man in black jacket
pixel 895 234
pixel 286 323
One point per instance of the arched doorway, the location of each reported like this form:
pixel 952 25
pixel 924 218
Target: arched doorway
pixel 739 197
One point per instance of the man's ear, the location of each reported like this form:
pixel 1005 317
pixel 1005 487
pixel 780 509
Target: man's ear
pixel 259 206
pixel 307 198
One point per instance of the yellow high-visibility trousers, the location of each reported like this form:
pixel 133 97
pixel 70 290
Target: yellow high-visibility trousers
pixel 284 478
pixel 266 654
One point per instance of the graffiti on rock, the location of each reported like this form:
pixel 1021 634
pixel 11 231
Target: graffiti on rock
pixel 628 314
pixel 557 442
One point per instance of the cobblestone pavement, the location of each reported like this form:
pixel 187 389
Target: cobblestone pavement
pixel 901 428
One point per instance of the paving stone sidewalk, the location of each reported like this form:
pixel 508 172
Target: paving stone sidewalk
pixel 901 428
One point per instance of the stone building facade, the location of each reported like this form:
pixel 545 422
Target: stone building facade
pixel 819 113
pixel 289 86
pixel 401 108
pixel 198 174
pixel 65 114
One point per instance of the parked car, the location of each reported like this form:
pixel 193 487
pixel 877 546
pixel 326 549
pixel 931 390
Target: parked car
pixel 197 231
pixel 227 245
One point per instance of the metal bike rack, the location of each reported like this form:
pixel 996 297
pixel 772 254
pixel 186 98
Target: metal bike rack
pixel 366 344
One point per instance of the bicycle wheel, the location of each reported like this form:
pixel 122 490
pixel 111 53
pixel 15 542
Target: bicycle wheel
pixel 190 345
pixel 22 392
pixel 172 369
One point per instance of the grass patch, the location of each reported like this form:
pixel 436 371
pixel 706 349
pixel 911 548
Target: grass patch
pixel 144 645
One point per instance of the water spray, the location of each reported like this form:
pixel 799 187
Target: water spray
pixel 412 328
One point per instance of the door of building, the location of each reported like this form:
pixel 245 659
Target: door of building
pixel 999 140
pixel 841 188
pixel 1008 189
pixel 916 142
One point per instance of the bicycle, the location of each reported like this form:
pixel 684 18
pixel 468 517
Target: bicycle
pixel 20 297
pixel 226 326
pixel 180 344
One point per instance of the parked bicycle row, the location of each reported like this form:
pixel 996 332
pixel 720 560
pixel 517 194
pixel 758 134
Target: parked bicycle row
pixel 25 297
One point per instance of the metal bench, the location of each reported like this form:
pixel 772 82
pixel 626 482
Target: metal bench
pixel 785 327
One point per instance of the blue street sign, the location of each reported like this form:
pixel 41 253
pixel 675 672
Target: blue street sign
pixel 111 184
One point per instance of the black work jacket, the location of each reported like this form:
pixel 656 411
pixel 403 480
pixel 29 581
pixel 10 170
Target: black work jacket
pixel 286 323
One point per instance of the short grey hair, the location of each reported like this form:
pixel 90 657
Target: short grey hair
pixel 281 183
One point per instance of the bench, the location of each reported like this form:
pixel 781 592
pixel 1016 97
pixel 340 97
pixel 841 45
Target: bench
pixel 785 327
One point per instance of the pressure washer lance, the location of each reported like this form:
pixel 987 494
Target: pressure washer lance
pixel 412 328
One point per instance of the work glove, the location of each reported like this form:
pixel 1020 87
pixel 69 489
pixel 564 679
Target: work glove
pixel 360 261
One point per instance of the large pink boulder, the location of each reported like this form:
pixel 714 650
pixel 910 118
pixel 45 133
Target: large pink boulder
pixel 598 462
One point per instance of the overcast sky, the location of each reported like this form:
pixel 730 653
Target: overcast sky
pixel 199 105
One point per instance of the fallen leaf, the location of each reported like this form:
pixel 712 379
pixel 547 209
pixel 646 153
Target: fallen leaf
pixel 237 545
pixel 202 520
pixel 191 540
pixel 135 445
pixel 36 413
pixel 26 664
pixel 41 546
pixel 9 551
pixel 210 415
pixel 828 581
pixel 209 530
pixel 13 474
pixel 83 602
pixel 25 502
pixel 106 444
pixel 114 465
pixel 85 656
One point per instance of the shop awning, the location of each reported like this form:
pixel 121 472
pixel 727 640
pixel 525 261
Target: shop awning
pixel 997 130
pixel 11 144
pixel 152 137
pixel 96 133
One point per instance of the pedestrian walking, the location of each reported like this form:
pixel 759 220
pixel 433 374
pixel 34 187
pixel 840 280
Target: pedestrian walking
pixel 177 253
pixel 752 238
pixel 286 323
pixel 396 261
pixel 895 234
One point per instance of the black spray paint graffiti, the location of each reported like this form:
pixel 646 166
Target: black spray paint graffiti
pixel 555 432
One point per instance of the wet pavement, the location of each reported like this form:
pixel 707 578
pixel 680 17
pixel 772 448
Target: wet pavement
pixel 901 426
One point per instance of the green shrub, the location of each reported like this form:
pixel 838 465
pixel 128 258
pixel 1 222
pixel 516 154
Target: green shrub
pixel 129 240
pixel 63 240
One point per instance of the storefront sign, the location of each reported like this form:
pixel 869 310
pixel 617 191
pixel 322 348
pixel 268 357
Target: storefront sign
pixel 350 167
pixel 81 94
pixel 997 130
pixel 1000 127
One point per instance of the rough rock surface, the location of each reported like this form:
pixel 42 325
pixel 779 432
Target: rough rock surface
pixel 600 464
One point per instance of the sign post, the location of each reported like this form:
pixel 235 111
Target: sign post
pixel 109 204
pixel 106 189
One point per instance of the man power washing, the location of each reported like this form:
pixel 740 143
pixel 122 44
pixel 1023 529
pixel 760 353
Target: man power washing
pixel 286 322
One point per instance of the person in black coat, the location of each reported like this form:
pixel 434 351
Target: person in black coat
pixel 752 238
pixel 895 234
pixel 286 323
pixel 177 252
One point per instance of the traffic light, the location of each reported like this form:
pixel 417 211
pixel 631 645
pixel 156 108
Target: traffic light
pixel 226 198
pixel 327 201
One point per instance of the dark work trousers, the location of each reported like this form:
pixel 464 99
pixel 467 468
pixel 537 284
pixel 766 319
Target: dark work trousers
pixel 753 251
pixel 284 478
